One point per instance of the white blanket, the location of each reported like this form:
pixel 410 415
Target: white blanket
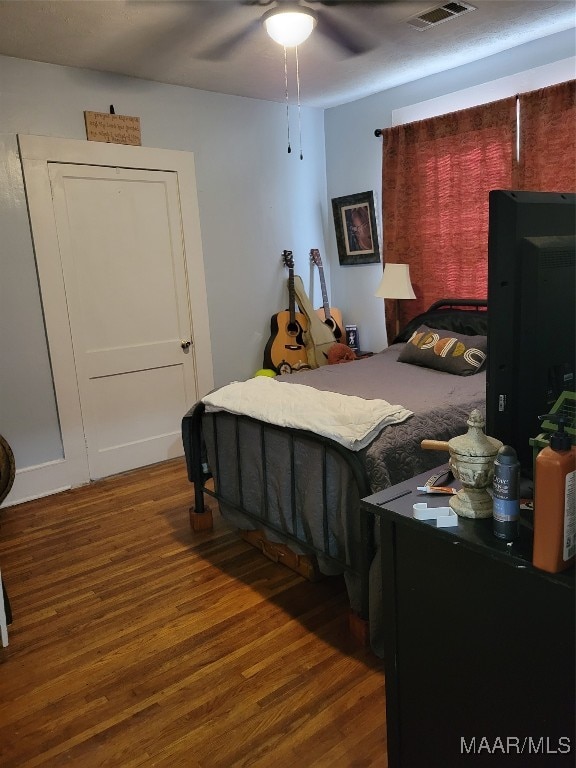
pixel 351 421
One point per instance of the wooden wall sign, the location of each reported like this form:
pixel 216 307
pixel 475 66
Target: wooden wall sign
pixel 113 129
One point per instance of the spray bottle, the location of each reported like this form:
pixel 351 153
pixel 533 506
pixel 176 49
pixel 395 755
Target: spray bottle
pixel 506 494
pixel 555 501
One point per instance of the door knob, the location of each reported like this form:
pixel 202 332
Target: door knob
pixel 185 344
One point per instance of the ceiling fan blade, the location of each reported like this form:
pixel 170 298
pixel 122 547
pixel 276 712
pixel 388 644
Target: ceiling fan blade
pixel 177 32
pixel 226 47
pixel 340 33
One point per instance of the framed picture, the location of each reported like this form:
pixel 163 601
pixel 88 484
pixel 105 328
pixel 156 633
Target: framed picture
pixel 356 231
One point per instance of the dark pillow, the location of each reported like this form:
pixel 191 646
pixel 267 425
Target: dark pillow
pixel 445 351
pixel 471 322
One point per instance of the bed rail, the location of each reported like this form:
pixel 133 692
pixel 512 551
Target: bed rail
pixel 199 473
pixel 467 316
pixel 456 303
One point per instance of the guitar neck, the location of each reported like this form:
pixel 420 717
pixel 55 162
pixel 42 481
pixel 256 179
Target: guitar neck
pixel 291 296
pixel 325 303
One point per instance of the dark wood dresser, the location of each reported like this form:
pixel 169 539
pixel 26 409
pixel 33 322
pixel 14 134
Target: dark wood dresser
pixel 479 645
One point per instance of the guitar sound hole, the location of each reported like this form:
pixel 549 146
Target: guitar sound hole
pixel 333 325
pixel 292 329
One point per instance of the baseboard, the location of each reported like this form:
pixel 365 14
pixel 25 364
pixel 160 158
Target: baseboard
pixel 38 481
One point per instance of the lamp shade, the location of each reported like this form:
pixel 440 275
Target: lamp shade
pixel 289 26
pixel 395 283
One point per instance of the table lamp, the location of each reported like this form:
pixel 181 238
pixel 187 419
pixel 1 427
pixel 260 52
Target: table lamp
pixel 395 284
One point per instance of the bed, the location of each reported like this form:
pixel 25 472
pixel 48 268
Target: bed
pixel 303 486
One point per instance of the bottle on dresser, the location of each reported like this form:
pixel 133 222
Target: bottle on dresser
pixel 555 501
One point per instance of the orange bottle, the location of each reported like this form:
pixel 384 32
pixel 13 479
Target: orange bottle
pixel 555 502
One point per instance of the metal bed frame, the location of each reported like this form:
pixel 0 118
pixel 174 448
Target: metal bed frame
pixel 198 473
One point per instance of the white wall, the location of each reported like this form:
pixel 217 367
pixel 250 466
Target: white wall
pixel 255 201
pixel 354 158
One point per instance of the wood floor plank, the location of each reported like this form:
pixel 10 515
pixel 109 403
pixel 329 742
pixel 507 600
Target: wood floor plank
pixel 138 643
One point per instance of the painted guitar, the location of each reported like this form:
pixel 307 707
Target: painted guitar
pixel 285 351
pixel 331 316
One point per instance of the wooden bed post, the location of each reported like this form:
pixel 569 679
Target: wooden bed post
pixel 201 521
pixel 201 513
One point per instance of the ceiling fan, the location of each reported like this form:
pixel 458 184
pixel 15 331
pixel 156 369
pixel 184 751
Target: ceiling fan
pixel 290 22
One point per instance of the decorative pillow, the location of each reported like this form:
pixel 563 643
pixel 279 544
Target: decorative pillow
pixel 445 351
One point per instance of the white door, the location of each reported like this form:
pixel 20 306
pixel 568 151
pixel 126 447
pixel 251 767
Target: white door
pixel 114 260
pixel 123 266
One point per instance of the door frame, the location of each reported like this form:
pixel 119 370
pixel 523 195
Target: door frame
pixel 36 153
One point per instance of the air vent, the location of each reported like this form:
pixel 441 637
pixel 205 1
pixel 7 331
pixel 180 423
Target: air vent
pixel 439 15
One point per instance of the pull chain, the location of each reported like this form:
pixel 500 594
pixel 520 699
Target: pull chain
pixel 299 105
pixel 286 95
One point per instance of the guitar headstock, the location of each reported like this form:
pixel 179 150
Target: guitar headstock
pixel 315 257
pixel 288 259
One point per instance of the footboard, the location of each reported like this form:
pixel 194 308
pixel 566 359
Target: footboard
pixel 300 487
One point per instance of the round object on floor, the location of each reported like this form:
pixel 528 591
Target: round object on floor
pixel 7 469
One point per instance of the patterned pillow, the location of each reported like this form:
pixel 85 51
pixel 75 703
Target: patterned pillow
pixel 445 351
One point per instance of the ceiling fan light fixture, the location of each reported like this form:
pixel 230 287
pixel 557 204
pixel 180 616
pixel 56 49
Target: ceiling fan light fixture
pixel 289 26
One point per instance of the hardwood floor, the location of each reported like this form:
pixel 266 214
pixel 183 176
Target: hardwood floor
pixel 138 643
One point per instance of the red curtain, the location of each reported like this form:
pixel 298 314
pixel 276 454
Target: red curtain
pixel 548 139
pixel 436 175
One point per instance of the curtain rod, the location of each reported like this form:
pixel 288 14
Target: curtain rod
pixel 378 132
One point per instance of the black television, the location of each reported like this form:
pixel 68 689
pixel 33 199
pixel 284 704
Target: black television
pixel 531 312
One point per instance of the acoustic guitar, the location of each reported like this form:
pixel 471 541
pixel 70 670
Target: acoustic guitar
pixel 331 316
pixel 285 351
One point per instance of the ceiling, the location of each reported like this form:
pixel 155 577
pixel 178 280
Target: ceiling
pixel 174 42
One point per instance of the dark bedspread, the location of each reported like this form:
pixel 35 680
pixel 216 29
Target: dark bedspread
pixel 441 403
